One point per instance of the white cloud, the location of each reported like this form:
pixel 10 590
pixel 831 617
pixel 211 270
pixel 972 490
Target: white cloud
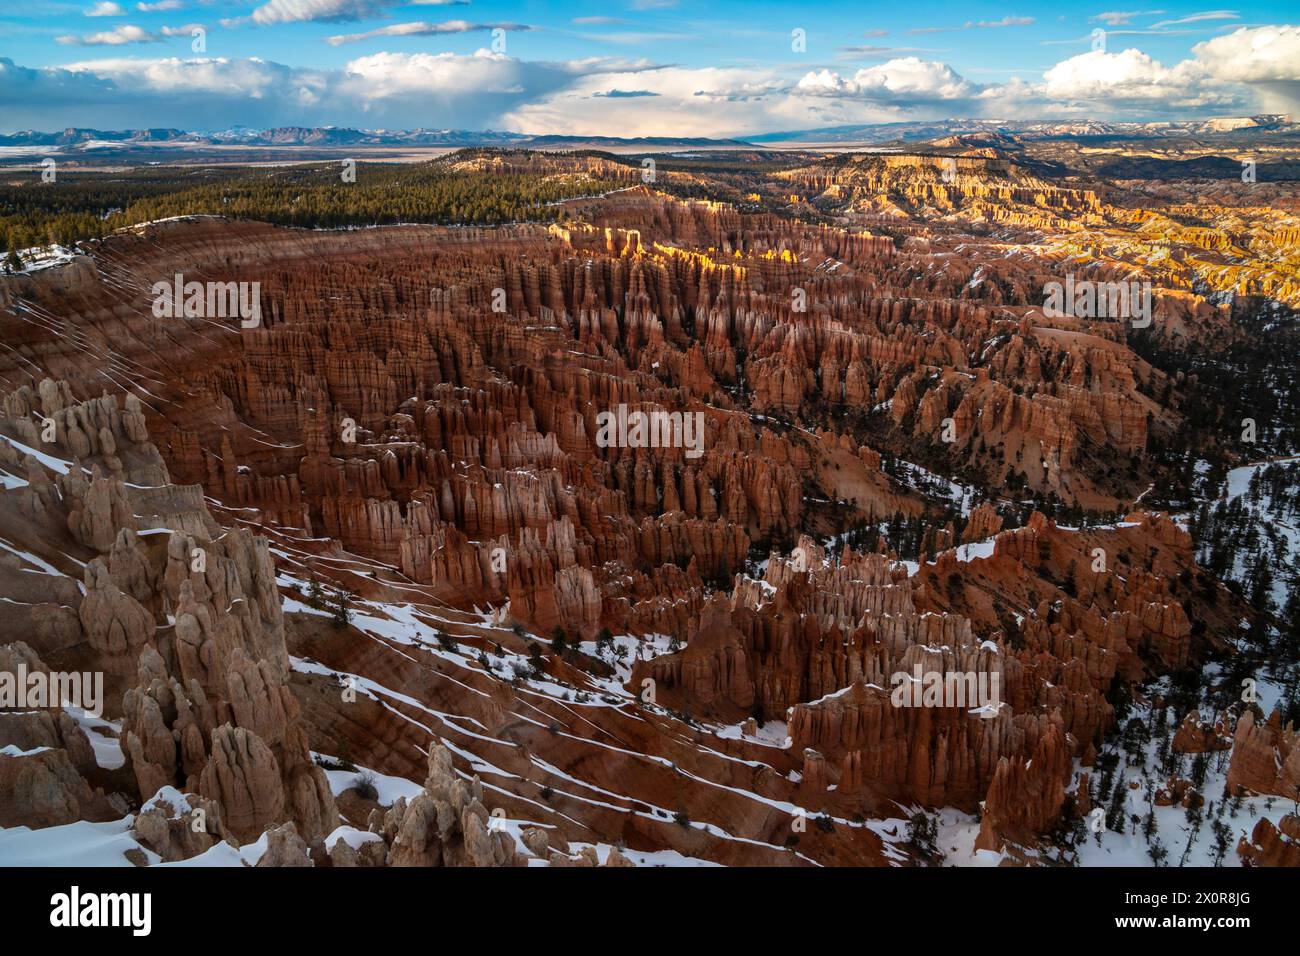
pixel 295 11
pixel 1099 74
pixel 451 90
pixel 385 89
pixel 635 38
pixel 160 6
pixel 1265 59
pixel 382 76
pixel 905 80
pixel 1004 22
pixel 710 101
pixel 105 8
pixel 1122 18
pixel 1131 80
pixel 1230 74
pixel 425 29
pixel 1240 71
pixel 218 76
pixel 118 36
pixel 867 51
pixel 1198 18
pixel 1258 55
pixel 1007 21
pixel 732 102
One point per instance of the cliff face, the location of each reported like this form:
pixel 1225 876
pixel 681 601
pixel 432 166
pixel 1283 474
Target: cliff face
pixel 1271 845
pixel 971 186
pixel 420 416
pixel 182 617
pixel 1265 757
pixel 394 331
pixel 828 643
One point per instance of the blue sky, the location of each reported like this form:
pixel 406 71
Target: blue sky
pixel 634 67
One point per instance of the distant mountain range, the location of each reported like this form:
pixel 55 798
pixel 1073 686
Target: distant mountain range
pixel 876 133
pixel 971 132
pixel 329 136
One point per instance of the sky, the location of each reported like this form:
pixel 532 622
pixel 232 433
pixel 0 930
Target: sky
pixel 635 67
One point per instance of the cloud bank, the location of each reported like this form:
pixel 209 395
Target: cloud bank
pixel 1250 69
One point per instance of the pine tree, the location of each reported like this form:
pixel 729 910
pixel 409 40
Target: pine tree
pixel 1222 841
pixel 341 611
pixel 1157 852
pixel 922 833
